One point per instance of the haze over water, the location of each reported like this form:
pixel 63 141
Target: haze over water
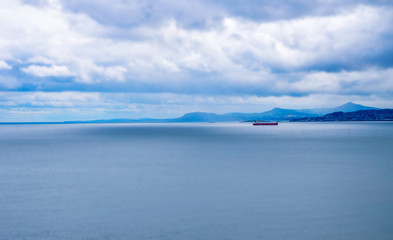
pixel 197 181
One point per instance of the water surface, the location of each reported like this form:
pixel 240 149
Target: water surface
pixel 197 181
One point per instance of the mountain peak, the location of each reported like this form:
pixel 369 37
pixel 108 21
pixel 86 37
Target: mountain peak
pixel 351 107
pixel 350 104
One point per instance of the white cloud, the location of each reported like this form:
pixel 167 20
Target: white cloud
pixel 44 71
pixel 90 73
pixel 228 56
pixel 116 72
pixel 4 65
pixel 367 82
pixel 48 99
pixel 232 48
pixel 41 60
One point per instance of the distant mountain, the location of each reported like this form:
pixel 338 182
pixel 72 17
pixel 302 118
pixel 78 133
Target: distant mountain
pixel 198 117
pixel 276 114
pixel 361 115
pixel 347 107
pixel 284 114
pixel 351 107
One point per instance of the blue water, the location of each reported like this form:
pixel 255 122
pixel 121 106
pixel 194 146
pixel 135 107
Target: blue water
pixel 197 181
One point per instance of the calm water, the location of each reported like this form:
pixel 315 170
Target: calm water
pixel 197 181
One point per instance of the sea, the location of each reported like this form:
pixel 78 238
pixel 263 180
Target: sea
pixel 202 181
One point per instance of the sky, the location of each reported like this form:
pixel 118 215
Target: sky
pixel 98 59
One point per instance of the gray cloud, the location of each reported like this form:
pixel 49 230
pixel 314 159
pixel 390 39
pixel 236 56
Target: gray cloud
pixel 128 13
pixel 202 12
pixel 267 10
pixel 267 50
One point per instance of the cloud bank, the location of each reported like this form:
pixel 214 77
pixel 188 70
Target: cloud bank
pixel 125 50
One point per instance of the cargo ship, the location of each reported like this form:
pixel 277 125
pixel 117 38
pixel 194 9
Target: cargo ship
pixel 264 123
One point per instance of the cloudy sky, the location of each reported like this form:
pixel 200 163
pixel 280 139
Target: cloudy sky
pixel 94 59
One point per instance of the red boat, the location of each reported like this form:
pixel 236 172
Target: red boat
pixel 264 123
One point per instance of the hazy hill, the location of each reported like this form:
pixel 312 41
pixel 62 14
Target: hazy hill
pixel 198 117
pixel 361 115
pixel 284 114
pixel 276 114
pixel 347 107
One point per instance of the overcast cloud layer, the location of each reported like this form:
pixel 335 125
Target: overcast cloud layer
pixel 72 59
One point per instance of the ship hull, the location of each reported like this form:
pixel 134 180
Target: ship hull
pixel 264 123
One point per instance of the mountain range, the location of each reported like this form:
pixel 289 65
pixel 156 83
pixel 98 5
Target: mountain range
pixel 276 114
pixel 361 115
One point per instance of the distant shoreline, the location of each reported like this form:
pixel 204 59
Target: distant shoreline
pixel 245 122
pixel 361 115
pixel 346 112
